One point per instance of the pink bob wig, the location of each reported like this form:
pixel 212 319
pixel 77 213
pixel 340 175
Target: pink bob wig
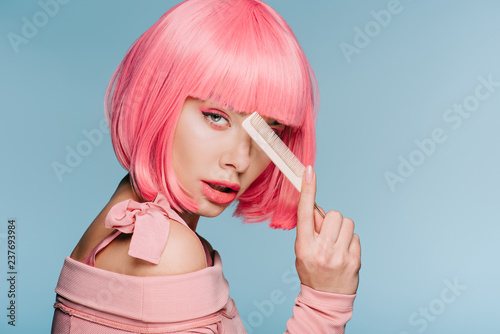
pixel 240 54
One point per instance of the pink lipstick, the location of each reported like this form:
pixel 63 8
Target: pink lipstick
pixel 220 192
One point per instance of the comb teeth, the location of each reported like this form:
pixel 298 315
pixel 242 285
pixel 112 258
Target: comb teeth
pixel 282 157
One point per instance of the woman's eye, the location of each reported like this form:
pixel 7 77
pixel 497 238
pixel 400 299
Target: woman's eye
pixel 279 130
pixel 215 118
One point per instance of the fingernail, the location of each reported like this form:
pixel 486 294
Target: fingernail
pixel 309 174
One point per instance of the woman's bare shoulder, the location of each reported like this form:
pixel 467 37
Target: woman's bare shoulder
pixel 183 253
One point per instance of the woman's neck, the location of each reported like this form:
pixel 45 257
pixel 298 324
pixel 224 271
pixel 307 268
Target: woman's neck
pixel 125 188
pixel 190 218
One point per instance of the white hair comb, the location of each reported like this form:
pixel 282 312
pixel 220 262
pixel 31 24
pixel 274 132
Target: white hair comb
pixel 276 150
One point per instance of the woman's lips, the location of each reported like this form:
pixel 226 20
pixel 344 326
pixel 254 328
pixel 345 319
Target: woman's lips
pixel 218 196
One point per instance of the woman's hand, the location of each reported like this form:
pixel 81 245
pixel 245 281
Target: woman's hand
pixel 328 252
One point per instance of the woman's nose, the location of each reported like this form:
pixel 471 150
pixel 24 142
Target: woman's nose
pixel 237 153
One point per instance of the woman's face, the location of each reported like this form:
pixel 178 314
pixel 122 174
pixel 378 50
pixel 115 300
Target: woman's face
pixel 213 156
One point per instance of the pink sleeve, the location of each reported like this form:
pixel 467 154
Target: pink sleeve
pixel 320 312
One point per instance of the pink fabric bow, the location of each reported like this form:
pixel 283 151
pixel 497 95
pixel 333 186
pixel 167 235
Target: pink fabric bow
pixel 147 221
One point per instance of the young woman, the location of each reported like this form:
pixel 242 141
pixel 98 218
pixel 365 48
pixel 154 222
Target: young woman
pixel 174 107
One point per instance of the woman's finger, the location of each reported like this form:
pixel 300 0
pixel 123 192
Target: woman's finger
pixel 355 246
pixel 346 234
pixel 331 226
pixel 305 211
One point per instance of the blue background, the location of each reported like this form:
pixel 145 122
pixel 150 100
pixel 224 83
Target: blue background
pixel 440 224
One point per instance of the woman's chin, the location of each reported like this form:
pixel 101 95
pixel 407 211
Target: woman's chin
pixel 210 209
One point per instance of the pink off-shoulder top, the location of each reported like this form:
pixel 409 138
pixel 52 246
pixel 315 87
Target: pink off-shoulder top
pixel 91 300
